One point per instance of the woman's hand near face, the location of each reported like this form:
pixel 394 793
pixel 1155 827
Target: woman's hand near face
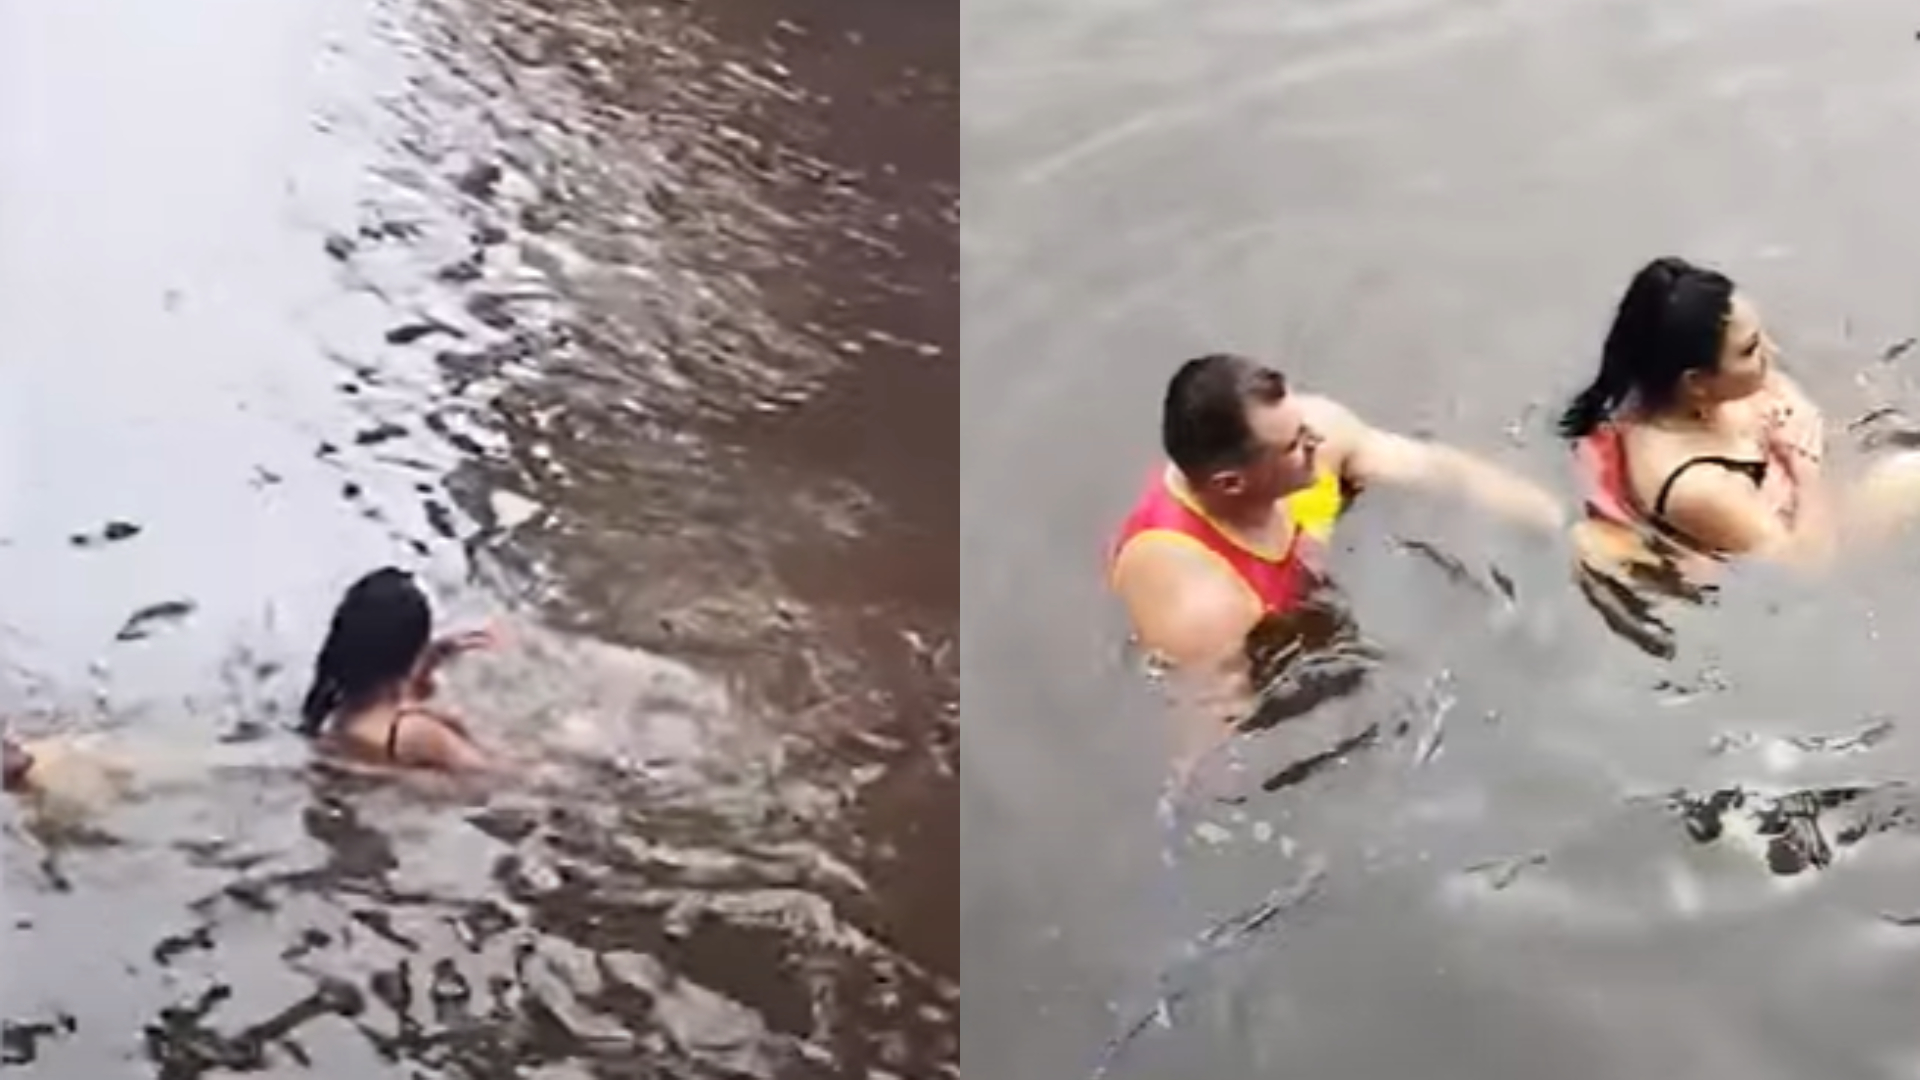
pixel 1793 423
pixel 1798 439
pixel 479 639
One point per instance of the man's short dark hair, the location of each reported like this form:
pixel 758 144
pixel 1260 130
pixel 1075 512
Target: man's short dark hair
pixel 1203 422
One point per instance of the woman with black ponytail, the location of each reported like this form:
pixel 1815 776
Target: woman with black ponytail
pixel 374 676
pixel 1690 429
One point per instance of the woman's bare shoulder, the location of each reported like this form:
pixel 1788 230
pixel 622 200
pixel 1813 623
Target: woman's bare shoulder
pixel 430 737
pixel 1651 455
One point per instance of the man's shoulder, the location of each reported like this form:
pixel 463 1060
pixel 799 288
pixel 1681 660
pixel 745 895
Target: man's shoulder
pixel 1159 570
pixel 1153 558
pixel 1162 577
pixel 1180 600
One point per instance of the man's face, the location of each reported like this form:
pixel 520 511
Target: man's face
pixel 1283 460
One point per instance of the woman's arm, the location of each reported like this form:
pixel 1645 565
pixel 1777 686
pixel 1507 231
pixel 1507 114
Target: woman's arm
pixel 441 650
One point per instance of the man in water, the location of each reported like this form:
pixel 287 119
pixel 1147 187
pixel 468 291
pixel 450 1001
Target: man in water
pixel 1227 535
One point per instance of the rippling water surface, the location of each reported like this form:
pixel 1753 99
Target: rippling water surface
pixel 1513 844
pixel 630 324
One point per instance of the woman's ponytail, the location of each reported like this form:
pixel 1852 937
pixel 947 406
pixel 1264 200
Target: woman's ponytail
pixel 324 696
pixel 321 700
pixel 1591 407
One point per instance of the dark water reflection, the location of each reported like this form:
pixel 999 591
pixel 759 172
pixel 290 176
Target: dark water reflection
pixel 1515 845
pixel 594 315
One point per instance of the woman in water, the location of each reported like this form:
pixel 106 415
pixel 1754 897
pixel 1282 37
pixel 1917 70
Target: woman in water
pixel 374 677
pixel 1691 433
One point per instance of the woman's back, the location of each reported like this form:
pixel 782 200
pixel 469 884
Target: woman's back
pixel 404 735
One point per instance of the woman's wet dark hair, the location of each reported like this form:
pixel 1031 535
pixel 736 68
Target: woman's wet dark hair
pixel 1671 321
pixel 379 631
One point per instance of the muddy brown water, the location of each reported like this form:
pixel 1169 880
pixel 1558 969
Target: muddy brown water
pixel 631 325
pixel 1555 855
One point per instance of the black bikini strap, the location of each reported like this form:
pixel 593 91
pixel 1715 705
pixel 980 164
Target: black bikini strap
pixel 393 736
pixel 1754 470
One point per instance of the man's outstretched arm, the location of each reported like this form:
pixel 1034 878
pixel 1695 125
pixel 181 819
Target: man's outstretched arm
pixel 1373 456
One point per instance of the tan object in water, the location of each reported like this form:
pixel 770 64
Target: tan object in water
pixel 73 777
